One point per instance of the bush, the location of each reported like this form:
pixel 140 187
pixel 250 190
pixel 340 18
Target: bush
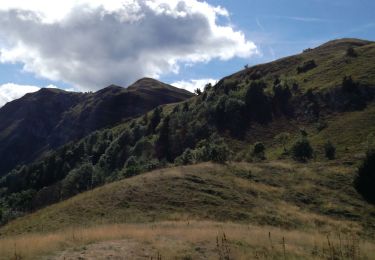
pixel 348 84
pixel 132 167
pixel 365 180
pixel 258 150
pixel 306 66
pixel 329 150
pixel 302 150
pixel 186 158
pixel 350 52
pixel 283 139
pixel 214 149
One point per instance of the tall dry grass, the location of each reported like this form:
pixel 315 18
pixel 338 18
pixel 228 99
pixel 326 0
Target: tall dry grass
pixel 219 240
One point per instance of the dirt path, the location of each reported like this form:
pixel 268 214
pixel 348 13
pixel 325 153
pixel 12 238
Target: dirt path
pixel 120 249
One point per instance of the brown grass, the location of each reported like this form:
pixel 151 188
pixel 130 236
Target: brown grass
pixel 196 240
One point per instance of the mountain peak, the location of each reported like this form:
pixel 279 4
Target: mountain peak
pixel 146 83
pixel 345 42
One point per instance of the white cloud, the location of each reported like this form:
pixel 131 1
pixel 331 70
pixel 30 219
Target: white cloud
pixel 94 43
pixel 11 91
pixel 193 84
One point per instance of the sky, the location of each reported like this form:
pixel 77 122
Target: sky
pixel 85 45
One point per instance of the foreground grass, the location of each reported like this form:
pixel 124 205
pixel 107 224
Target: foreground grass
pixel 186 240
pixel 189 213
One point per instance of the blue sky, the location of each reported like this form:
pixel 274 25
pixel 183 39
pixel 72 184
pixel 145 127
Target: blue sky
pixel 278 28
pixel 286 27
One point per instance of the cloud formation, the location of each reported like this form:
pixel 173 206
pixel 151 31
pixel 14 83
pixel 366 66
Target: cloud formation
pixel 93 43
pixel 10 91
pixel 193 84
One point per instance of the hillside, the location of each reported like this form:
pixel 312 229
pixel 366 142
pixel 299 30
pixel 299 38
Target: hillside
pixel 260 113
pixel 301 201
pixel 49 118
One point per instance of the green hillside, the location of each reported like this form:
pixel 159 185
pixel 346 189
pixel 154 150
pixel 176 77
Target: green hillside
pixel 290 200
pixel 261 113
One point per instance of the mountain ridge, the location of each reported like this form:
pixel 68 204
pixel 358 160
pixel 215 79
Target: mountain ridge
pixel 52 117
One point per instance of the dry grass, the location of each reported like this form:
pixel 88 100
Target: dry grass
pixel 192 240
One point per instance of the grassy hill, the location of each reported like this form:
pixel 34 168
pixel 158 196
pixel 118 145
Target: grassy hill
pixel 332 64
pixel 288 199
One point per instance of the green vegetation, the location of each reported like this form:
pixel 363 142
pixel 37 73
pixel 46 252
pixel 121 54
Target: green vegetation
pixel 306 66
pixel 285 194
pixel 329 150
pixel 263 105
pixel 302 150
pixel 258 150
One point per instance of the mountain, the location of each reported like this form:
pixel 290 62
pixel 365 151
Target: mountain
pixel 49 118
pixel 291 109
pixel 275 146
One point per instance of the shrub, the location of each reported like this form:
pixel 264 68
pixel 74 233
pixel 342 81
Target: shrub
pixel 283 139
pixel 258 150
pixel 214 149
pixel 350 52
pixel 302 150
pixel 132 167
pixel 365 180
pixel 348 84
pixel 306 66
pixel 329 150
pixel 186 158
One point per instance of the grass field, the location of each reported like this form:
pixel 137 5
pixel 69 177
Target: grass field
pixel 186 240
pixel 179 212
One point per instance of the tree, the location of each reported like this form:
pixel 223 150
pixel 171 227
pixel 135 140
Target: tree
pixel 154 120
pixel 281 97
pixel 208 87
pixel 78 180
pixel 302 150
pixel 329 150
pixel 162 146
pixel 198 91
pixel 365 180
pixel 131 167
pixel 257 103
